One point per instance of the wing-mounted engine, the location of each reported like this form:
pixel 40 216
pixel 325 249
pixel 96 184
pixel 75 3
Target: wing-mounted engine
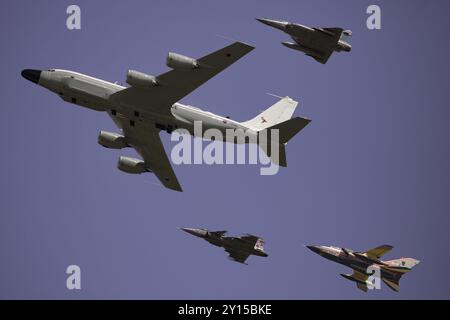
pixel 131 165
pixel 112 140
pixel 140 79
pixel 178 61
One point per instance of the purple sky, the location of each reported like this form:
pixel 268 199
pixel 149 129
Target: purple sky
pixel 371 168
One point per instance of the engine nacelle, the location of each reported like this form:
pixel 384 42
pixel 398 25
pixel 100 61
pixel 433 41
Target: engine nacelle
pixel 140 79
pixel 178 61
pixel 131 165
pixel 112 140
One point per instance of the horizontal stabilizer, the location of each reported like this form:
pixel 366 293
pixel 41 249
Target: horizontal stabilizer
pixel 288 129
pixel 393 284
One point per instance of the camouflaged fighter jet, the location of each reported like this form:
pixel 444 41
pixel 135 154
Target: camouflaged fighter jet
pixel 318 43
pixel 238 248
pixel 149 105
pixel 390 271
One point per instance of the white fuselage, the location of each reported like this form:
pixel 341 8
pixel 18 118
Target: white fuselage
pixel 96 94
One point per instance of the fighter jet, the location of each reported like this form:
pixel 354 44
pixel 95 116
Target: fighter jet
pixel 318 43
pixel 390 271
pixel 238 248
pixel 149 105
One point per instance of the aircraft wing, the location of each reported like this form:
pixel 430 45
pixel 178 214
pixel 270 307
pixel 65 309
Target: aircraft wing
pixel 328 41
pixel 360 277
pixel 176 84
pixel 323 57
pixel 237 256
pixel 146 141
pixel 378 252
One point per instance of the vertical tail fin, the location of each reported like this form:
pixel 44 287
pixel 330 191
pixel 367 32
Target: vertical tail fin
pixel 400 267
pixel 279 112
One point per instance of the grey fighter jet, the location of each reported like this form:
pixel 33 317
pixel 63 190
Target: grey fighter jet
pixel 366 264
pixel 318 43
pixel 238 248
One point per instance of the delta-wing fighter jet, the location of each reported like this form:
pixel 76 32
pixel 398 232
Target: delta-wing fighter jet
pixel 389 271
pixel 149 105
pixel 238 248
pixel 318 43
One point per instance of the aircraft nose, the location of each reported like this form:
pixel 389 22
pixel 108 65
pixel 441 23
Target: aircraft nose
pixel 32 75
pixel 315 249
pixel 190 231
pixel 273 23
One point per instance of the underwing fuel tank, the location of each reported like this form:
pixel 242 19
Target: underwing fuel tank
pixel 295 46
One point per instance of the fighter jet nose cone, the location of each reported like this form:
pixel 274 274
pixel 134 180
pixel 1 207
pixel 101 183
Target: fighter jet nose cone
pixel 190 231
pixel 273 23
pixel 31 75
pixel 314 249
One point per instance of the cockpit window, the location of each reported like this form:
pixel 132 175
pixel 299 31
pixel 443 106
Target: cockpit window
pixel 51 70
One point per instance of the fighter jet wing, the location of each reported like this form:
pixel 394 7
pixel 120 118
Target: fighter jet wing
pixel 378 252
pixel 176 84
pixel 328 41
pixel 237 256
pixel 322 57
pixel 360 277
pixel 146 141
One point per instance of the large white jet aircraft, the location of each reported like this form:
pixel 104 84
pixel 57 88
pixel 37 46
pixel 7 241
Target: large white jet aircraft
pixel 150 105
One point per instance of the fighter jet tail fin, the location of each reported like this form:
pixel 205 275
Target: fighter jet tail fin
pixel 277 113
pixel 286 131
pixel 257 242
pixel 402 265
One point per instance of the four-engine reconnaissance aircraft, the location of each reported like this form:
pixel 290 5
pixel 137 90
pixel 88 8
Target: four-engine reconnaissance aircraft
pixel 390 271
pixel 238 248
pixel 149 105
pixel 318 43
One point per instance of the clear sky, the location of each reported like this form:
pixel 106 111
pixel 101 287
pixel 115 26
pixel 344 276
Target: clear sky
pixel 371 168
